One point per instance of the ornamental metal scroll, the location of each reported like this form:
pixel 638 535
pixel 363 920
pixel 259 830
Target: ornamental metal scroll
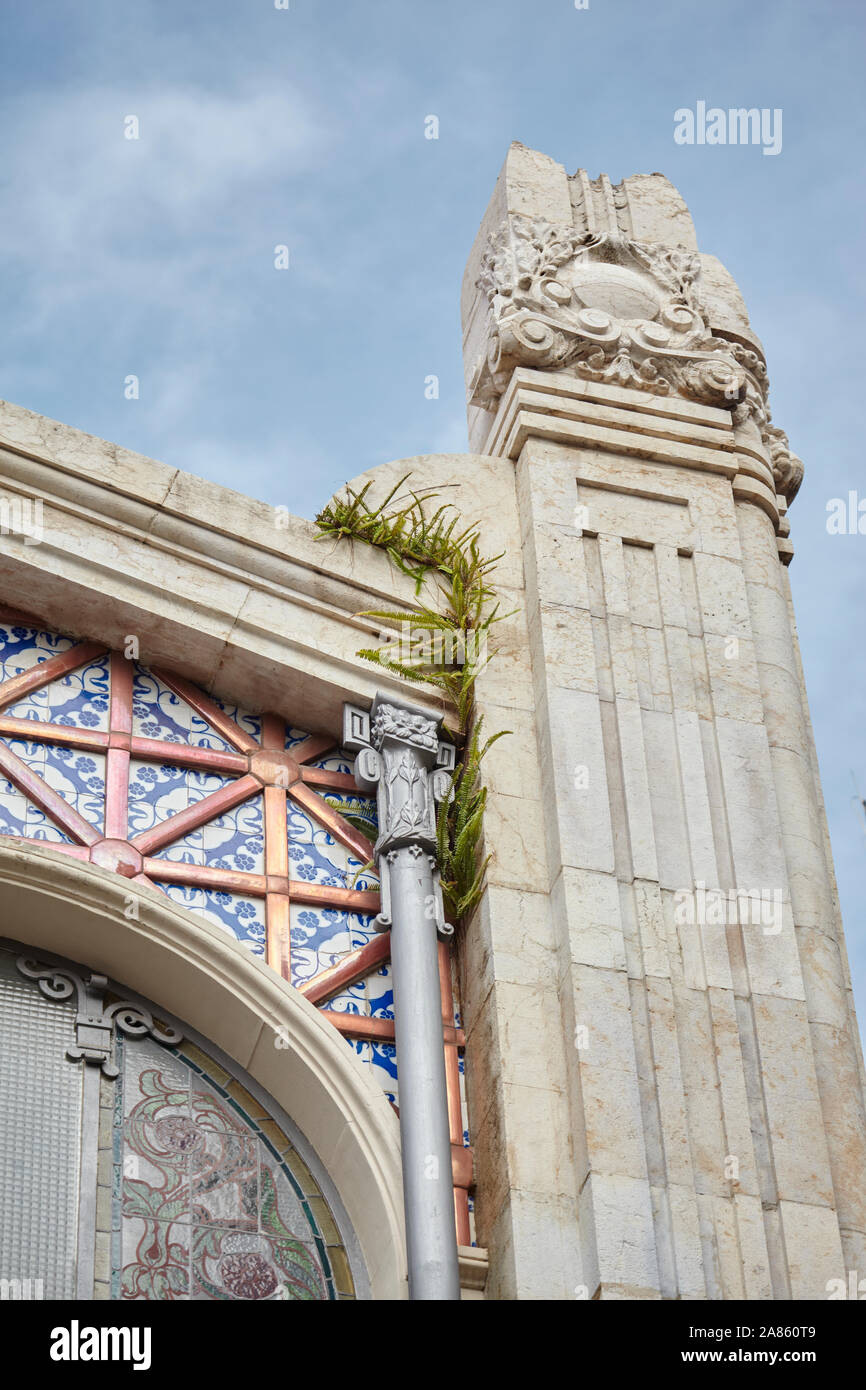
pixel 95 1021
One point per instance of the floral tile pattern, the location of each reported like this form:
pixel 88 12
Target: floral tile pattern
pixel 160 790
pixel 316 857
pixel 79 699
pixel 234 840
pixel 157 788
pixel 158 713
pixel 78 777
pixel 250 723
pixel 243 917
pixel 322 936
pixel 22 648
pixel 20 817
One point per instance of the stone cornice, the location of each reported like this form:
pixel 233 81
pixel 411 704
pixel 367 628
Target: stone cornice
pixel 241 595
pixel 563 409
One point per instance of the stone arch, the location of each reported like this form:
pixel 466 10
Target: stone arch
pixel 198 973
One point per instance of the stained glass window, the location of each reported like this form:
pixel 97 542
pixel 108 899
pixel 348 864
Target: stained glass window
pixel 210 1197
pixel 203 1188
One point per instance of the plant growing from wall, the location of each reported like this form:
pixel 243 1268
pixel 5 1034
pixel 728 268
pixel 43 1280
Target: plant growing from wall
pixel 446 646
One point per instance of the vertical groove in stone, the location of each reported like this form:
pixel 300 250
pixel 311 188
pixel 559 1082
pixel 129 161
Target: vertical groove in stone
pixel 805 846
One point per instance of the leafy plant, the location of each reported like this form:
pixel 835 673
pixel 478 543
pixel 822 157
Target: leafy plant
pixel 447 647
pixel 458 829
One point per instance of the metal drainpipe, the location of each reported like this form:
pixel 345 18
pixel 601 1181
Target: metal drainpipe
pixel 402 759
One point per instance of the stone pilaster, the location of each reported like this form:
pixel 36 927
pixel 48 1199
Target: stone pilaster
pixel 705 1035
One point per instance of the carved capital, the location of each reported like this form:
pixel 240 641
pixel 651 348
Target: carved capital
pixel 402 758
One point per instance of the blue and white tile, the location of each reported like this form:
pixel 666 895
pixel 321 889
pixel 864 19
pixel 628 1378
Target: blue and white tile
pixel 380 992
pixel 80 699
pixel 242 917
pixel 156 791
pixel 22 648
pixel 158 713
pixel 249 722
pixel 13 810
pixel 352 1000
pixel 315 856
pixel 236 840
pixel 160 790
pixel 322 936
pixel 383 1060
pixel 79 778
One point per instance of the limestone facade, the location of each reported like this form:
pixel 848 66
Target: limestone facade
pixel 664 1080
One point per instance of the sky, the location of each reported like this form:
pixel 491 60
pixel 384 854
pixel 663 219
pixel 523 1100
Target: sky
pixel 304 127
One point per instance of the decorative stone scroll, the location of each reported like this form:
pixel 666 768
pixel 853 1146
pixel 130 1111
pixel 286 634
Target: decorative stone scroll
pixel 617 310
pixel 95 1022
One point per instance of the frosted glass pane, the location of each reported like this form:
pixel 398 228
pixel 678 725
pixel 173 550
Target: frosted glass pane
pixel 40 1127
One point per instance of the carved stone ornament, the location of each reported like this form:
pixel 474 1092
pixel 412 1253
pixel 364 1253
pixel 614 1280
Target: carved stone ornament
pixel 95 1022
pixel 787 467
pixel 613 309
pixel 408 767
pixel 395 721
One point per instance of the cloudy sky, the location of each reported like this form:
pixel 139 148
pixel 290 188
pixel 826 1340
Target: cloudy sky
pixel 305 127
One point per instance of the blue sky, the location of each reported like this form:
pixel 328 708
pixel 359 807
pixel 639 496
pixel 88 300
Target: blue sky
pixel 306 127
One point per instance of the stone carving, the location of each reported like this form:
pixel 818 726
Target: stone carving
pixel 94 1022
pixel 397 722
pixel 787 467
pixel 613 309
pixel 408 768
pixel 608 307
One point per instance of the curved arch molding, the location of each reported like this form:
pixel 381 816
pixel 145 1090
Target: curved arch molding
pixel 198 973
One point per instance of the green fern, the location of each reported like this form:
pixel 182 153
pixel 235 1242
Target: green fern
pixel 431 549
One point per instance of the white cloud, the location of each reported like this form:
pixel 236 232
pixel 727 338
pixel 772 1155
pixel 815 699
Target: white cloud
pixel 87 207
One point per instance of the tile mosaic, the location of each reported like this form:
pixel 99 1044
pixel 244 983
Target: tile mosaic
pixel 250 723
pixel 22 648
pixel 383 1059
pixel 158 713
pixel 322 936
pixel 79 699
pixel 160 790
pixel 243 917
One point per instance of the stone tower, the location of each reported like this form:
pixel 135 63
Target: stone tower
pixel 665 1078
